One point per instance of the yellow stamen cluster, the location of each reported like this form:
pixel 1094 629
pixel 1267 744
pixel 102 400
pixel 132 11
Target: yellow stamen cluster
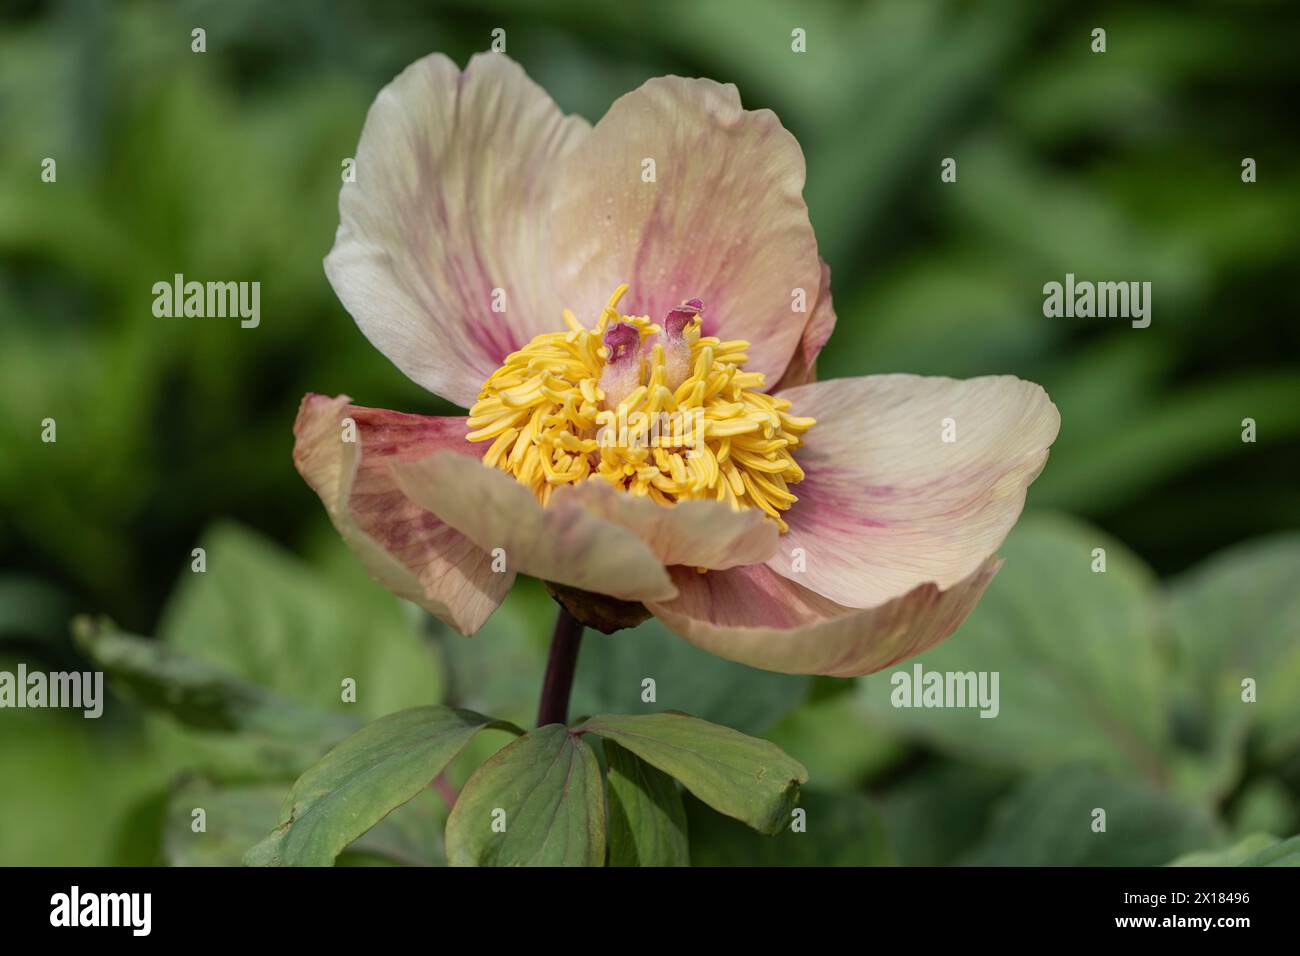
pixel 549 423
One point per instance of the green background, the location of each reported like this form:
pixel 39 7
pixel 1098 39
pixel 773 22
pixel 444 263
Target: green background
pixel 1119 690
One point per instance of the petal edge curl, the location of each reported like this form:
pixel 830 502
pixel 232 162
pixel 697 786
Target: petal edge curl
pixel 404 547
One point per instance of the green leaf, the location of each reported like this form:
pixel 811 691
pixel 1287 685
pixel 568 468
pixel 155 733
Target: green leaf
pixel 1285 853
pixel 959 297
pixel 612 667
pixel 269 618
pixel 836 740
pixel 937 814
pixel 743 777
pixel 1021 199
pixel 228 728
pixel 67 786
pixel 236 818
pixel 895 119
pixel 1183 431
pixel 647 823
pixel 409 836
pixel 1236 855
pixel 30 607
pixel 1048 821
pixel 840 830
pixel 1235 618
pixel 1265 805
pixel 360 781
pixel 536 802
pixel 1079 676
pixel 197 693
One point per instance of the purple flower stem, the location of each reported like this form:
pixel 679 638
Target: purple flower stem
pixel 560 666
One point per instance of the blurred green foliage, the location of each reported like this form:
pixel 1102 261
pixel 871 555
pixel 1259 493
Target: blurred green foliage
pixel 1118 689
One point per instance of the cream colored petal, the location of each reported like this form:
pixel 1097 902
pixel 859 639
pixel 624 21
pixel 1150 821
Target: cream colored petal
pixel 563 542
pixel 821 323
pixel 759 618
pixel 343 451
pixel 700 534
pixel 723 218
pixel 909 480
pixel 441 254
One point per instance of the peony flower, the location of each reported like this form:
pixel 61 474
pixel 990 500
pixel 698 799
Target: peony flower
pixel 575 285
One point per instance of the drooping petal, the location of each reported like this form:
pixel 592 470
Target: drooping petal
pixel 697 533
pixel 759 618
pixel 720 216
pixel 563 542
pixel 452 173
pixel 909 480
pixel 403 546
pixel 821 323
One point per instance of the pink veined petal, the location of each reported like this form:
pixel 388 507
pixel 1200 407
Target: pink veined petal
pixel 821 323
pixel 759 618
pixel 723 219
pixel 452 175
pixel 405 548
pixel 563 542
pixel 887 504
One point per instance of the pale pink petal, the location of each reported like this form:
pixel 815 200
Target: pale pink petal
pixel 759 618
pixel 699 533
pixel 888 504
pixel 451 178
pixel 821 323
pixel 563 542
pixel 403 546
pixel 724 219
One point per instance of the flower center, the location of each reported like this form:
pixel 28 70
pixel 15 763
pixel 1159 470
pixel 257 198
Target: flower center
pixel 657 410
